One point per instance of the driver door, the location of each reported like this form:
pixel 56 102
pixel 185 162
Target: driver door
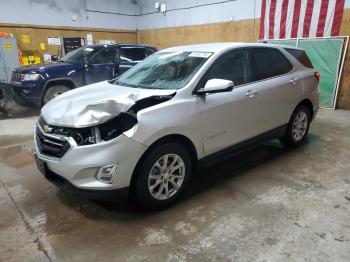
pixel 102 66
pixel 228 118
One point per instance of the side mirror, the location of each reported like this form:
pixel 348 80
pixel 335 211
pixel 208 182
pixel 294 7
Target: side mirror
pixel 216 86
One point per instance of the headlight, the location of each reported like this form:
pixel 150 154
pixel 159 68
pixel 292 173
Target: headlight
pixel 30 77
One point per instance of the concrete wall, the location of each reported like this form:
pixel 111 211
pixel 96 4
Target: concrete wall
pixel 107 14
pixel 230 21
pixel 196 12
pixel 186 21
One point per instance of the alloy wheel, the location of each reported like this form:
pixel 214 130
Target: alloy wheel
pixel 300 126
pixel 166 176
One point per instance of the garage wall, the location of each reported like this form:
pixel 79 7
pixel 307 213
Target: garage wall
pixel 39 34
pixel 226 21
pixel 188 22
pixel 343 99
pixel 106 14
pixel 194 12
pixel 104 19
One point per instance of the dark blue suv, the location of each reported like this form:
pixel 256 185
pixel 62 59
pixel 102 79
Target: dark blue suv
pixel 35 85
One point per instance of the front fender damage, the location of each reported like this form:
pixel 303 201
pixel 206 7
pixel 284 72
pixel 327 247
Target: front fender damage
pixel 126 120
pixel 121 117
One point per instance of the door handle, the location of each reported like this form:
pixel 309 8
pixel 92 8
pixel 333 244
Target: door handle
pixel 293 81
pixel 251 93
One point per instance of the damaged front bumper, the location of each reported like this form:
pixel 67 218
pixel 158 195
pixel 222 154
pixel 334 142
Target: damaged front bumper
pixel 80 165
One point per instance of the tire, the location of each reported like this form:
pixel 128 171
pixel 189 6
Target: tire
pixel 298 127
pixel 54 91
pixel 151 181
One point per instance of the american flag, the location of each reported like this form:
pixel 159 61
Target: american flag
pixel 284 19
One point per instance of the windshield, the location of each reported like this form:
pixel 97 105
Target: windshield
pixel 76 55
pixel 164 70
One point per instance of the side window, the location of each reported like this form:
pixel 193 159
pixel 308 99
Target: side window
pixel 234 66
pixel 301 56
pixel 269 62
pixel 130 54
pixel 104 56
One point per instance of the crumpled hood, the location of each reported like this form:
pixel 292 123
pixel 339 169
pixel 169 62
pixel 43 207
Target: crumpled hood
pixel 94 104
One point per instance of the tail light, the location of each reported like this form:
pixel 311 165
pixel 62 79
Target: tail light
pixel 317 76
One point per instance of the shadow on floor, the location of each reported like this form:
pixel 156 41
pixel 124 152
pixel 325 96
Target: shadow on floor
pixel 122 208
pixel 10 110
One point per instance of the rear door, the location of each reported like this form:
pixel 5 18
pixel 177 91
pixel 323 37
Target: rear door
pixel 130 56
pixel 230 117
pixel 280 86
pixel 101 66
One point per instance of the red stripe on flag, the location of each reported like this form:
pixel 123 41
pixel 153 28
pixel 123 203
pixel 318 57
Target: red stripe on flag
pixel 262 20
pixel 308 17
pixel 322 18
pixel 338 14
pixel 284 19
pixel 296 16
pixel 272 19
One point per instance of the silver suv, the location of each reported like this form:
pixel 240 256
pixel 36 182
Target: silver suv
pixel 180 109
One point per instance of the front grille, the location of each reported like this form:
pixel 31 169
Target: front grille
pixel 49 145
pixel 16 77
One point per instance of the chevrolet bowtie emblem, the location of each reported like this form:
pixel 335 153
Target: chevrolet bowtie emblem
pixel 47 129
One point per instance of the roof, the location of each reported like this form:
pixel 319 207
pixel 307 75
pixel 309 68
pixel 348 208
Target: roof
pixel 218 47
pixel 122 45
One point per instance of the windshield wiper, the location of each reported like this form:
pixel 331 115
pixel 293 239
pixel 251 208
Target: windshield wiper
pixel 125 84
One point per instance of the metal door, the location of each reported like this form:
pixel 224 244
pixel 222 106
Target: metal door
pixel 9 58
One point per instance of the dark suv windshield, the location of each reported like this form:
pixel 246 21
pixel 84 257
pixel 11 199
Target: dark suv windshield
pixel 77 55
pixel 164 70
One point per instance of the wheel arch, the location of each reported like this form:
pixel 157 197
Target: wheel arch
pixel 181 139
pixel 307 102
pixel 57 81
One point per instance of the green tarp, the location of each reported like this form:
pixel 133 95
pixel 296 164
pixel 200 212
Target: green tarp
pixel 325 54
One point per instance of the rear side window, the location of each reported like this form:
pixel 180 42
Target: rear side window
pixel 269 62
pixel 132 54
pixel 301 56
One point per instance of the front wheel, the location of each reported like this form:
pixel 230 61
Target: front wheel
pixel 298 127
pixel 163 176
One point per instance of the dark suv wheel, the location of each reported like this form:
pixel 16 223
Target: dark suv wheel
pixel 163 176
pixel 53 92
pixel 298 127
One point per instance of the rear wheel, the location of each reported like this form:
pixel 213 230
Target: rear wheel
pixel 298 127
pixel 53 92
pixel 163 176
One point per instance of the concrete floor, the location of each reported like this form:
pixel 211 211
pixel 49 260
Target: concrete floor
pixel 269 204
